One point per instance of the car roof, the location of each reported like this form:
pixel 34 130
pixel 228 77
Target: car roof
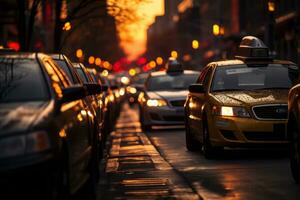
pixel 161 73
pixel 57 56
pixel 241 62
pixel 23 55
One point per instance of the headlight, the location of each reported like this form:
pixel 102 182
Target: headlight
pixel 24 144
pixel 156 102
pixel 231 111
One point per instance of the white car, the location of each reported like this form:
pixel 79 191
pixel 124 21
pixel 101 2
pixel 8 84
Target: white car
pixel 163 98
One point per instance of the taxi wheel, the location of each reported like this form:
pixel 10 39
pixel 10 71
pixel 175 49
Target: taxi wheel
pixel 207 149
pixel 191 143
pixel 295 154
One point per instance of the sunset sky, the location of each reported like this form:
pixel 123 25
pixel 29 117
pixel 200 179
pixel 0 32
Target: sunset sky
pixel 133 35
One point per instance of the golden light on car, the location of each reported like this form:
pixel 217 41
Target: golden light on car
pixel 98 61
pixel 104 73
pixel 152 64
pixel 83 113
pixel 271 6
pixel 159 60
pixel 174 54
pixel 132 72
pixel 131 90
pixel 79 53
pixel 67 26
pixel 156 102
pixel 216 29
pixel 62 133
pixel 195 44
pixel 91 60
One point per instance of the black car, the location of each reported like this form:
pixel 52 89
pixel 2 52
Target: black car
pixel 46 144
pixel 67 66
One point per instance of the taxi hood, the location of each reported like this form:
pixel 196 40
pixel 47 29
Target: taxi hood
pixel 168 95
pixel 19 117
pixel 251 98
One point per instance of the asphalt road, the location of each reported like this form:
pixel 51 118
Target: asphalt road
pixel 156 165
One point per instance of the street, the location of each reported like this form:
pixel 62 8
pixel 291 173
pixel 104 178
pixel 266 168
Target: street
pixel 156 165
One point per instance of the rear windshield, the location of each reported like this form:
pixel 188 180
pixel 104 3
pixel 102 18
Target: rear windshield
pixel 21 80
pixel 259 77
pixel 171 82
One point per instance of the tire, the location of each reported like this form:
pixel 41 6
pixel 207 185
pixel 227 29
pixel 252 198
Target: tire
pixel 295 153
pixel 191 143
pixel 57 184
pixel 208 150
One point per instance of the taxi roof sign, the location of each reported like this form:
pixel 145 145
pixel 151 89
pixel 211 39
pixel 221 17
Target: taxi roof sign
pixel 252 48
pixel 173 66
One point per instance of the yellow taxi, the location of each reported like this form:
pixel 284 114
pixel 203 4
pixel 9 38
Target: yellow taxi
pixel 241 102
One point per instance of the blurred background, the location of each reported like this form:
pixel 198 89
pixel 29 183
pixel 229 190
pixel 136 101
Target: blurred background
pixel 134 36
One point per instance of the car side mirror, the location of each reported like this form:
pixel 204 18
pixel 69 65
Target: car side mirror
pixel 93 88
pixel 104 88
pixel 114 87
pixel 196 88
pixel 72 93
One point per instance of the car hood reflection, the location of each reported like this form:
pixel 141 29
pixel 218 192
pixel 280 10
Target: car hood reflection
pixel 18 117
pixel 238 98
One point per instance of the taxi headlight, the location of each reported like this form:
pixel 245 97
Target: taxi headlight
pixel 156 102
pixel 229 111
pixel 24 144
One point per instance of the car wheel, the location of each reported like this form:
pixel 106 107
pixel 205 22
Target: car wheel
pixel 208 150
pixel 57 185
pixel 191 143
pixel 295 154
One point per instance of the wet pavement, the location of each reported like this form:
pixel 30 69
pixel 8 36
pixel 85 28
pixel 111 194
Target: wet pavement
pixel 156 165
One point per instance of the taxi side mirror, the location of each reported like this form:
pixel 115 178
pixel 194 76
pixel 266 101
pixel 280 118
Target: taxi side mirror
pixel 93 88
pixel 196 88
pixel 72 93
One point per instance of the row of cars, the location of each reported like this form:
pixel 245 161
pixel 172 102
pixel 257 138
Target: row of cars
pixel 233 103
pixel 55 117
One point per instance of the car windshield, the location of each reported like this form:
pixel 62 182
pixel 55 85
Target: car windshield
pixel 171 82
pixel 21 80
pixel 258 77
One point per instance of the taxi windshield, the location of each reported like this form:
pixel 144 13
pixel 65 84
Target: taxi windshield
pixel 256 77
pixel 171 82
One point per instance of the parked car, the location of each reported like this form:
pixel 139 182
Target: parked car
pixel 136 87
pixel 45 141
pixel 66 65
pixel 293 131
pixel 240 103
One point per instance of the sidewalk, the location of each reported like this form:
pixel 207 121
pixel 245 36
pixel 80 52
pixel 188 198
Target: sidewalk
pixel 134 169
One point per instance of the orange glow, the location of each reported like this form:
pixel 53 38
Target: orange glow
pixel 91 60
pixel 195 44
pixel 152 64
pixel 62 133
pixel 159 60
pixel 67 26
pixel 98 61
pixel 132 72
pixel 216 29
pixel 106 65
pixel 271 6
pixel 133 33
pixel 174 54
pixel 79 53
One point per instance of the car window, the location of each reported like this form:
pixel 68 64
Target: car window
pixel 63 65
pixel 171 82
pixel 64 80
pixel 82 75
pixel 206 80
pixel 21 80
pixel 243 77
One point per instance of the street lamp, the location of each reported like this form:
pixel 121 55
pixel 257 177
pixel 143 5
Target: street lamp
pixel 195 44
pixel 174 54
pixel 79 53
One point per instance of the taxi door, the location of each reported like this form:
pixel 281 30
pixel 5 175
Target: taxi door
pixel 198 101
